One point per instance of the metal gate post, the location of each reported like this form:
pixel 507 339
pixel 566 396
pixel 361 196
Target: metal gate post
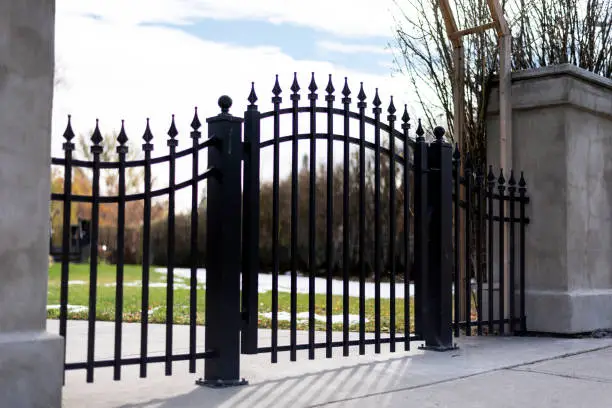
pixel 437 315
pixel 223 250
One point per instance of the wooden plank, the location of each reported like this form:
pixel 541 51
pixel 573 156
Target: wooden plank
pixel 473 30
pixel 458 124
pixel 505 142
pixel 498 17
pixel 449 22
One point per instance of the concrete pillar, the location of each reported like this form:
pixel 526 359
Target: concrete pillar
pixel 31 359
pixel 562 131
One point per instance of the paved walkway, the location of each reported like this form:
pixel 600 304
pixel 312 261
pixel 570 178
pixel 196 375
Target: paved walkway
pixel 487 372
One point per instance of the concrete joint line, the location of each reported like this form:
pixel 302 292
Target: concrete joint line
pixel 573 377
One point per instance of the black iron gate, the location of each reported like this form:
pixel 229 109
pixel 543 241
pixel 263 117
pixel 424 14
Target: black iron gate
pixel 379 219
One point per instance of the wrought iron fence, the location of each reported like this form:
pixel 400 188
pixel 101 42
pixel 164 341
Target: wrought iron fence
pixel 491 244
pixel 67 198
pixel 425 173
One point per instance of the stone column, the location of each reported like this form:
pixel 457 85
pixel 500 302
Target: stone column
pixel 31 360
pixel 562 132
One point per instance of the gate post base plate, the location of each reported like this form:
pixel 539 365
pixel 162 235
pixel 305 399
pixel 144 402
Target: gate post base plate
pixel 221 383
pixel 439 348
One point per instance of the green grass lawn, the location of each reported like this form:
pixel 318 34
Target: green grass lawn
pixel 78 295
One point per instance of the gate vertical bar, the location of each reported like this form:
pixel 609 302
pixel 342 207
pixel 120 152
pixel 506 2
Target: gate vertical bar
pixel 295 97
pixel 223 222
pixel 250 226
pixel 193 284
pixel 96 150
pixel 421 230
pixel 122 150
pixel 312 214
pixel 276 100
pixel 468 244
pixel 377 227
pixel 147 147
pixel 392 222
pixel 346 101
pixel 329 252
pixel 172 144
pixel 406 182
pixel 362 209
pixel 68 147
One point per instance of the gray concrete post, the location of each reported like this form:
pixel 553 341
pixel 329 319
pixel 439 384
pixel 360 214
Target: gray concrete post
pixel 31 360
pixel 562 136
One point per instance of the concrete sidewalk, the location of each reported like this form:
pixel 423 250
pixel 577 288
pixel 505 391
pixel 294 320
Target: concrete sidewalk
pixel 484 372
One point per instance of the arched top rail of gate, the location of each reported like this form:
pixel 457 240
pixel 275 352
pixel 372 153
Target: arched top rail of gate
pixel 69 162
pixel 378 122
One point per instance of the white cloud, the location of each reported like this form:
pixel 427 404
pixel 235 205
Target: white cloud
pixel 352 18
pixel 353 48
pixel 115 68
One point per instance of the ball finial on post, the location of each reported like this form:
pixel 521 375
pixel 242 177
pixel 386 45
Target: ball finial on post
pixel 225 103
pixel 439 133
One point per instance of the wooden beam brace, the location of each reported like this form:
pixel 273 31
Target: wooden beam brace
pixel 449 22
pixel 473 30
pixel 501 25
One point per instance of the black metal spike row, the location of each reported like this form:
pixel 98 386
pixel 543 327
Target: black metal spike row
pixel 522 183
pixel 345 90
pixel 195 123
pixel 420 132
pixel 122 136
pixel 276 99
pixel 147 137
pixel 376 102
pixel 330 87
pixel 501 180
pixel 172 132
pixel 96 137
pixel 391 110
pixel 313 85
pixel 361 96
pixel 512 181
pixel 491 176
pixel 122 139
pixel 406 120
pixel 252 95
pixel 295 87
pixel 68 133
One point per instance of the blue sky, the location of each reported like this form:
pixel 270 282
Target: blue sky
pixel 299 42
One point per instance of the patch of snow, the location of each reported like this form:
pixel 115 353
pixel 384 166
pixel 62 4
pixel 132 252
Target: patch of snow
pixel 303 316
pixel 178 284
pixel 284 284
pixel 71 308
pixel 77 282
